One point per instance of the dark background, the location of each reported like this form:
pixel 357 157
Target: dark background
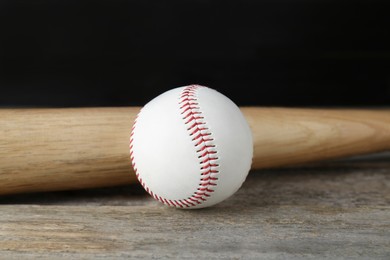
pixel 268 53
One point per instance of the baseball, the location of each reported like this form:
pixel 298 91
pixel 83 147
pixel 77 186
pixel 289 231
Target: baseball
pixel 191 147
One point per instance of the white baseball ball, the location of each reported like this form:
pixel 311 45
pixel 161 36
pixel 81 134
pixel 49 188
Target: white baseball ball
pixel 191 147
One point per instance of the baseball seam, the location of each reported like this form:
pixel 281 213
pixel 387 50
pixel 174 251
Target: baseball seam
pixel 205 148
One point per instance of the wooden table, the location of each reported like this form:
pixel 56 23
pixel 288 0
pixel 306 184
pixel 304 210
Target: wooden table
pixel 330 210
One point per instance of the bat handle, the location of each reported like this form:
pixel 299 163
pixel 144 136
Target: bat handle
pixel 284 136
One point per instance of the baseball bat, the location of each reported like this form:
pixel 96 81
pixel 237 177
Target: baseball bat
pixel 77 148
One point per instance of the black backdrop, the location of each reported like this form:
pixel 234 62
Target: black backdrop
pixel 269 53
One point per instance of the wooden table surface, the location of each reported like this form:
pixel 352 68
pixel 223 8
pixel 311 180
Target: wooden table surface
pixel 328 210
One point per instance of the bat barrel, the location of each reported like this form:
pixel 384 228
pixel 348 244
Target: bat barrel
pixel 61 149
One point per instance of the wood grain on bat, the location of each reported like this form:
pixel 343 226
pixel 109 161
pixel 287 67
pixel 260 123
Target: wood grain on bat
pixel 60 149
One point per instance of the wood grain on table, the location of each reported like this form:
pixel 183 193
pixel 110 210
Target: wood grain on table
pixel 331 210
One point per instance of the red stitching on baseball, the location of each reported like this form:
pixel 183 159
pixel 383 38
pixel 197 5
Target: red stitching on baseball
pixel 192 116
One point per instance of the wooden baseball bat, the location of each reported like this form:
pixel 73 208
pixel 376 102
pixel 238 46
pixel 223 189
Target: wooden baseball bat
pixel 61 149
